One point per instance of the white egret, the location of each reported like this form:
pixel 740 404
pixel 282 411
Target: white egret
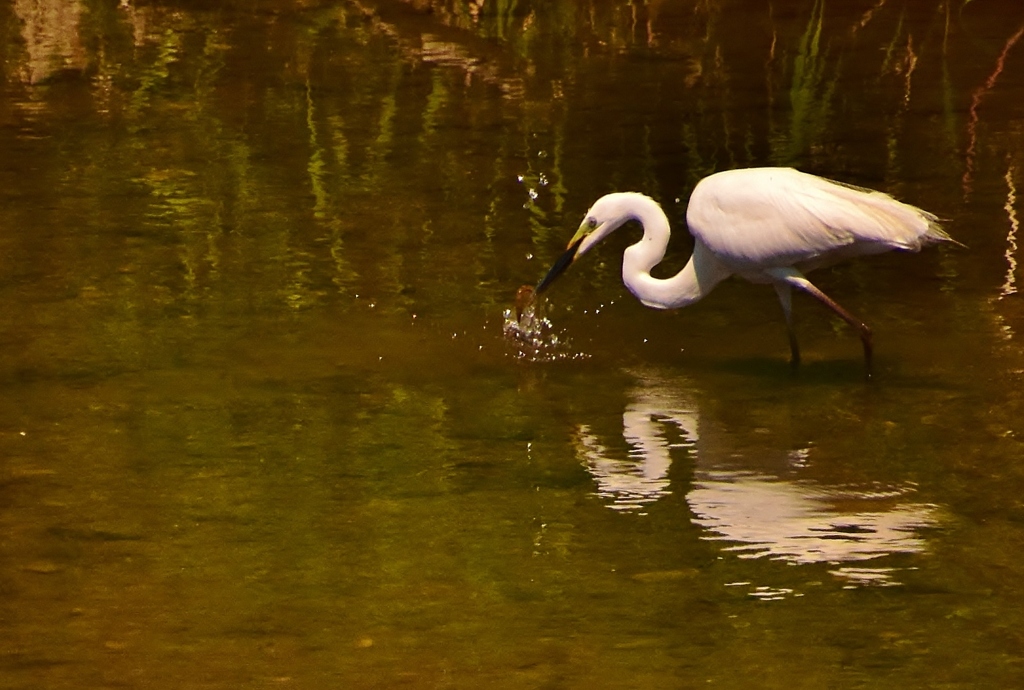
pixel 767 225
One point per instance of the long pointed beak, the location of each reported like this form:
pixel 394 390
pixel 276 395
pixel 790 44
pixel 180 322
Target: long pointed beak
pixel 563 262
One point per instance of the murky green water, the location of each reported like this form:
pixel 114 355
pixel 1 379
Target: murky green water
pixel 260 426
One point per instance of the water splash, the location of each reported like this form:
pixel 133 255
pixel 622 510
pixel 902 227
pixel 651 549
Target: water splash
pixel 531 334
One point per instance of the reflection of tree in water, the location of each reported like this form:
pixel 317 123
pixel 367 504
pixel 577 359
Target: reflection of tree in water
pixel 759 515
pixel 52 41
pixel 365 96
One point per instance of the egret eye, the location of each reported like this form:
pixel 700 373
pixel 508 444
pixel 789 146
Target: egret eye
pixel 591 223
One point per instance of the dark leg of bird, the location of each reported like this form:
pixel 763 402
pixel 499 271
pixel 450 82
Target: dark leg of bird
pixel 786 298
pixel 794 349
pixel 862 328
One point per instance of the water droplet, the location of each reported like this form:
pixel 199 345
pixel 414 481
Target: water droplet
pixel 533 194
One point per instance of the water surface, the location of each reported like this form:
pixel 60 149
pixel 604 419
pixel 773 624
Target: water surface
pixel 261 424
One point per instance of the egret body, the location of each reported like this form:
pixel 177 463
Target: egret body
pixel 767 225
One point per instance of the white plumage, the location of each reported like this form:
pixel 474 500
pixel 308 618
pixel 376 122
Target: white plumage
pixel 767 225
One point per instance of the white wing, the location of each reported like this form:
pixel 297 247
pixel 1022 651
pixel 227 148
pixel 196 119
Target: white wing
pixel 759 218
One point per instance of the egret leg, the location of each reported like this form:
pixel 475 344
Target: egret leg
pixel 786 298
pixel 794 278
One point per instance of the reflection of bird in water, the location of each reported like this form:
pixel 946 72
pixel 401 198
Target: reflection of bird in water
pixel 642 477
pixel 768 225
pixel 758 514
pixel 797 523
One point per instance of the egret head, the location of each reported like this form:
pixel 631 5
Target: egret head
pixel 608 214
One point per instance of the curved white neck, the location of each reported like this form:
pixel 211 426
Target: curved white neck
pixel 700 275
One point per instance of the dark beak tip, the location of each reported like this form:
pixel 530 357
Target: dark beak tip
pixel 558 268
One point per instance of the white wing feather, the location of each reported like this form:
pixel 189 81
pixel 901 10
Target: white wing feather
pixel 779 217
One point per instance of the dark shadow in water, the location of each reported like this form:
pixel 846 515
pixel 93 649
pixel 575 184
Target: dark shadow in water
pixel 816 372
pixel 832 372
